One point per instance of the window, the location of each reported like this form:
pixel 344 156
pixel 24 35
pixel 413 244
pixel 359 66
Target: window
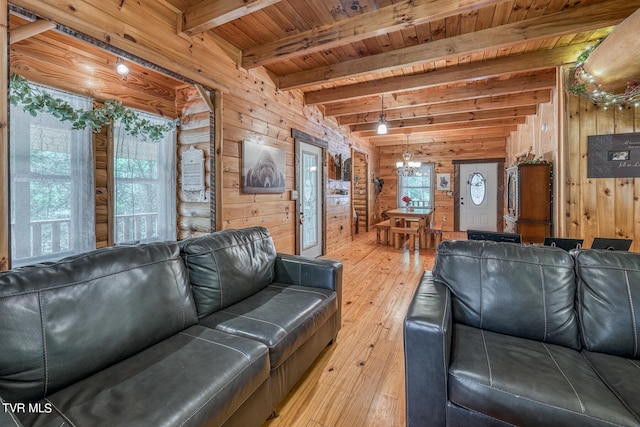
pixel 478 188
pixel 52 191
pixel 418 187
pixel 145 186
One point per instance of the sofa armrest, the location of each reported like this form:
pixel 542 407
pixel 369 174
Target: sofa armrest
pixel 6 416
pixel 325 273
pixel 427 346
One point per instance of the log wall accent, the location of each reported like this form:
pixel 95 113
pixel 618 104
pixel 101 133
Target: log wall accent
pixel 103 179
pixel 442 154
pixel 194 214
pixel 360 194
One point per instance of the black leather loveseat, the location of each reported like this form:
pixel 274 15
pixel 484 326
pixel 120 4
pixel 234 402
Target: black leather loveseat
pixel 212 331
pixel 505 334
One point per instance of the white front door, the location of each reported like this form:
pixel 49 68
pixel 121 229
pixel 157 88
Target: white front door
pixel 478 196
pixel 310 196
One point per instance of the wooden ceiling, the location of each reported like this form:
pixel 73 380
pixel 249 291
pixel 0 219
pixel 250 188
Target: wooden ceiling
pixel 443 68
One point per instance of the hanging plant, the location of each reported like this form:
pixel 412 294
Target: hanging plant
pixel 34 101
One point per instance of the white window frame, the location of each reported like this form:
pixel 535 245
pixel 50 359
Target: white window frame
pixel 404 189
pixel 151 225
pixel 50 239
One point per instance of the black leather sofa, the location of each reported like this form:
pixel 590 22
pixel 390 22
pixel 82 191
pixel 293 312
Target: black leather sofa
pixel 212 331
pixel 505 334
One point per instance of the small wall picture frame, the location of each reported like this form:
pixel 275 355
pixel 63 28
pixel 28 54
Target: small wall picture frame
pixel 443 181
pixel 263 168
pixel 193 172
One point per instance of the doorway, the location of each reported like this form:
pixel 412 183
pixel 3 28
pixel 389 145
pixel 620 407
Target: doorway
pixel 309 178
pixel 478 196
pixel 360 191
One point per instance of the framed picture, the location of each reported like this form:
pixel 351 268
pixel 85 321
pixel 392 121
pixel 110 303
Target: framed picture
pixel 618 155
pixel 613 155
pixel 443 181
pixel 262 168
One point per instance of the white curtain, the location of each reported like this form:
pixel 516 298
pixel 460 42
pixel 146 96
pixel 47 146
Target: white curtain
pixel 418 187
pixel 52 185
pixel 145 186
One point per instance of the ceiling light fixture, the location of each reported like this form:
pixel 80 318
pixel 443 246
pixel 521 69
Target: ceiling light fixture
pixel 382 124
pixel 121 68
pixel 407 167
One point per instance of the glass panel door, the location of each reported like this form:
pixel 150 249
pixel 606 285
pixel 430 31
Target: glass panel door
pixel 310 176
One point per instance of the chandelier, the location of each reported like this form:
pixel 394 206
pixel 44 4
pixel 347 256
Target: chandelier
pixel 407 167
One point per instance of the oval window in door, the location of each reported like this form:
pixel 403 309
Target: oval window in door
pixel 478 188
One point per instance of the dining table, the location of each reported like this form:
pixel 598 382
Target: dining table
pixel 401 216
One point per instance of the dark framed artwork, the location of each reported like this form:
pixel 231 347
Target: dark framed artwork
pixel 262 168
pixel 613 156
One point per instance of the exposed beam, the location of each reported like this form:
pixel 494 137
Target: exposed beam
pixel 443 136
pixel 206 97
pixel 360 27
pixel 423 143
pixel 441 94
pixel 511 123
pixel 31 29
pixel 470 105
pixel 209 14
pixel 615 61
pixel 452 119
pixel 571 21
pixel 475 70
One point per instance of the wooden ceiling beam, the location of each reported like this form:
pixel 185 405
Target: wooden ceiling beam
pixel 511 123
pixel 387 19
pixel 31 29
pixel 570 21
pixel 452 119
pixel 615 62
pixel 442 136
pixel 472 71
pixel 472 90
pixel 472 105
pixel 209 14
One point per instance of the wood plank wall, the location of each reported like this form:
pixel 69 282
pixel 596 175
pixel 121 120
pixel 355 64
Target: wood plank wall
pixel 442 154
pixel 585 207
pixel 253 109
pixel 540 136
pixel 599 207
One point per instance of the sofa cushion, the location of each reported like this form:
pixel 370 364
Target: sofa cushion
pixel 197 377
pixel 520 290
pixel 281 316
pixel 609 301
pixel 228 266
pixel 622 375
pixel 64 321
pixel 528 383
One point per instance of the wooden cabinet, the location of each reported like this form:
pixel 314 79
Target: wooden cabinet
pixel 529 200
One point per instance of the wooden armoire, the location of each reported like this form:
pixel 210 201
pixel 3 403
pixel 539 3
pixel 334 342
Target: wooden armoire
pixel 529 201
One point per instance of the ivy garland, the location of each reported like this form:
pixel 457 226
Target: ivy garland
pixel 34 100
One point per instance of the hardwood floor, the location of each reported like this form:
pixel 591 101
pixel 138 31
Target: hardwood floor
pixel 359 380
